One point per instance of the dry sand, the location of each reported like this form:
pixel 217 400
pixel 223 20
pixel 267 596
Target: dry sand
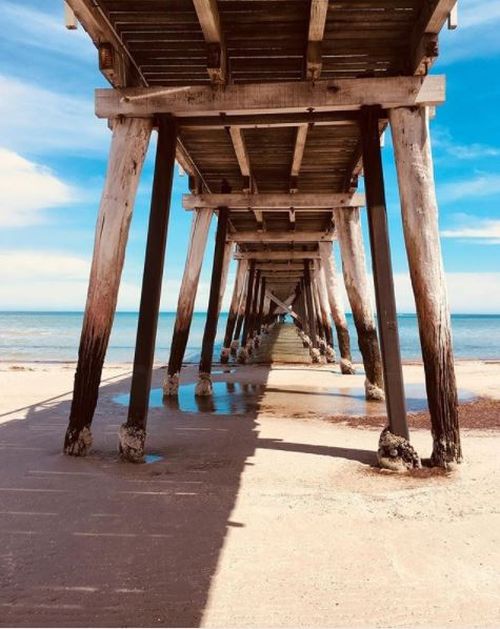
pixel 274 517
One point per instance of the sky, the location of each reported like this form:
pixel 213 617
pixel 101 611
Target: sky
pixel 53 156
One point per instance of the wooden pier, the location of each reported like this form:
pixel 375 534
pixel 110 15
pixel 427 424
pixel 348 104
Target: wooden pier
pixel 274 110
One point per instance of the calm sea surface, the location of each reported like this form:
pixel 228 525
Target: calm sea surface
pixel 53 336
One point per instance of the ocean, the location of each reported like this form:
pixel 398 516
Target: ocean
pixel 54 336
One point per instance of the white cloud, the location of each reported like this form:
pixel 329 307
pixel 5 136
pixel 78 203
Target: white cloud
pixel 471 227
pixel 45 280
pixel 27 189
pixel 34 120
pixel 443 142
pixel 480 185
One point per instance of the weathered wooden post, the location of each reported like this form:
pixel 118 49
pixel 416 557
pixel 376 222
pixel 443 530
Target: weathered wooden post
pixel 412 146
pixel 348 225
pixel 311 314
pixel 253 312
pixel 330 348
pixel 222 255
pixel 260 314
pixel 243 352
pixel 233 309
pixel 132 434
pixel 187 295
pixel 235 343
pixel 336 306
pixel 382 272
pixel 128 148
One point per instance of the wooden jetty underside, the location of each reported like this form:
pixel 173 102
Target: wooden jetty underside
pixel 274 109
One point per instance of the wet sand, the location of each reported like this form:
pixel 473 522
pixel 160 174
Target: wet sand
pixel 271 515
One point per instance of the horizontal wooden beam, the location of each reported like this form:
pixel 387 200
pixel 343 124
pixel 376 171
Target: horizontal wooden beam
pixel 317 22
pixel 285 236
pixel 286 97
pixel 283 268
pixel 208 17
pixel 424 38
pixel 273 201
pixel 264 121
pixel 276 255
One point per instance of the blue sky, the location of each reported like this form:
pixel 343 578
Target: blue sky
pixel 53 154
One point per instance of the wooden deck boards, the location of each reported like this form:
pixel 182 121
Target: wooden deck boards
pixel 281 345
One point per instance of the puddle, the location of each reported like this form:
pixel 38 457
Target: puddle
pixel 229 398
pixel 236 398
pixel 216 372
pixel 152 458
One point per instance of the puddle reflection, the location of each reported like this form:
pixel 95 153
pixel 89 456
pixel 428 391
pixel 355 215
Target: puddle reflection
pixel 238 398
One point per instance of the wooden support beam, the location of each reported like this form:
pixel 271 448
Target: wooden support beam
pixel 70 21
pixel 382 274
pixel 336 306
pixel 187 295
pixel 274 201
pixel 412 146
pixel 133 433
pixel 240 151
pixel 424 37
pixel 311 314
pixel 270 120
pixel 276 255
pixel 285 237
pixel 298 153
pixel 243 353
pixel 120 68
pixel 283 268
pixel 350 236
pixel 317 21
pixel 286 97
pixel 286 307
pixel 233 309
pixel 128 147
pixel 204 385
pixel 208 16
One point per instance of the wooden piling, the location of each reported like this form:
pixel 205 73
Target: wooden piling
pixel 204 384
pixel 336 306
pixel 187 295
pixel 382 272
pixel 412 146
pixel 243 353
pixel 348 226
pixel 133 433
pixel 233 309
pixel 128 148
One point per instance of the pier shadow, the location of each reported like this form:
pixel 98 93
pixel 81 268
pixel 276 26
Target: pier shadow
pixel 98 542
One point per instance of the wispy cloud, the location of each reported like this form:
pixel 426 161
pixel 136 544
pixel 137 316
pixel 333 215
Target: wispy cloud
pixel 469 227
pixel 37 121
pixel 43 30
pixel 28 189
pixel 479 185
pixel 444 143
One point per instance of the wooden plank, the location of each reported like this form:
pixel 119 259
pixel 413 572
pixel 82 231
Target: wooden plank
pixel 280 267
pixel 276 255
pixel 286 237
pixel 241 152
pixel 286 307
pixel 423 40
pixel 208 16
pixel 126 72
pixel 286 97
pixel 133 432
pixel 274 201
pixel 264 121
pixel 298 152
pixel 317 21
pixel 382 274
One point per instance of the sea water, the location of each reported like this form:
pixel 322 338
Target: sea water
pixel 54 336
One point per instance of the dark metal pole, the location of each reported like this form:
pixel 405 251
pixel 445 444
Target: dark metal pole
pixel 382 271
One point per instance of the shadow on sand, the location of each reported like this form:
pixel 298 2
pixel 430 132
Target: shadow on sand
pixel 99 542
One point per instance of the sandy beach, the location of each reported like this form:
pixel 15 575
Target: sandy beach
pixel 265 510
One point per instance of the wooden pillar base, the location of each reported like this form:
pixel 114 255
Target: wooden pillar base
pixel 395 453
pixel 243 355
pixel 234 347
pixel 373 393
pixel 204 385
pixel 171 385
pixel 225 355
pixel 78 442
pixel 315 354
pixel 131 441
pixel 330 355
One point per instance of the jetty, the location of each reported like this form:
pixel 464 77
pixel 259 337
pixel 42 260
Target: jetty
pixel 274 110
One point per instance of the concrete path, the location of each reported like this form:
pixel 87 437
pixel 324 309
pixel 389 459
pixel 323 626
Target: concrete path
pixel 281 345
